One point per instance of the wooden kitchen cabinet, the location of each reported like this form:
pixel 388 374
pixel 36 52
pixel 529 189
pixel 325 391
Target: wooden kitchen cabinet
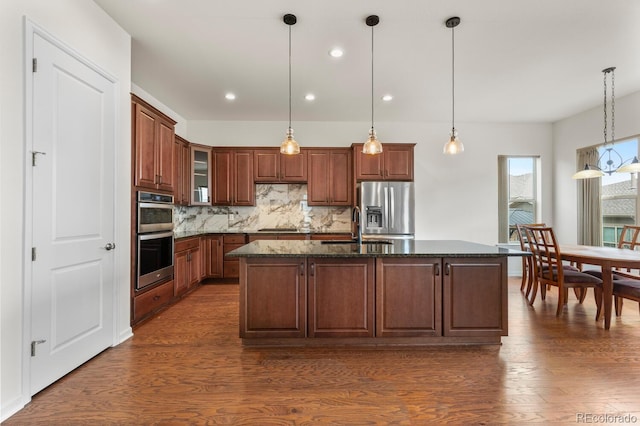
pixel 212 256
pixel 231 266
pixel 408 297
pixel 186 265
pixel 330 177
pixel 274 303
pixel 201 175
pixel 149 302
pixel 341 297
pixel 474 293
pixel 395 163
pixel 153 147
pixel 269 165
pixel 182 171
pixel 233 172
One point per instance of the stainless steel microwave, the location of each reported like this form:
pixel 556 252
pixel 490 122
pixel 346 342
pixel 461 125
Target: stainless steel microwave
pixel 155 212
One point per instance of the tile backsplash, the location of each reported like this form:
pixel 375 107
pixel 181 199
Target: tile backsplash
pixel 277 206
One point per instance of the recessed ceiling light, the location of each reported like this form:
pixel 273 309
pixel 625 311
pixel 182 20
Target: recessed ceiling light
pixel 387 98
pixel 336 52
pixel 230 96
pixel 310 97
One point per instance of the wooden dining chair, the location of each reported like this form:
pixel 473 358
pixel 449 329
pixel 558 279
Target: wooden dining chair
pixel 527 261
pixel 549 269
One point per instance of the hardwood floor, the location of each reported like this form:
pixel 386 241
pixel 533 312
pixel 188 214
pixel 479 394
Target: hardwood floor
pixel 187 366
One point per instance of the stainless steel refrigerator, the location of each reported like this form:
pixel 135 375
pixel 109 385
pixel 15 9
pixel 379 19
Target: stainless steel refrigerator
pixel 387 209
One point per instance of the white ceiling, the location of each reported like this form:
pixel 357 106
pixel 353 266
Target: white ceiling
pixel 515 60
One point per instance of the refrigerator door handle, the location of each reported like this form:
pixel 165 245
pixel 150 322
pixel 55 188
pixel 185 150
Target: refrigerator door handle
pixel 385 211
pixel 392 208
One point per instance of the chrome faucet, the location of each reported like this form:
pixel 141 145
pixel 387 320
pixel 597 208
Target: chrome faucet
pixel 356 216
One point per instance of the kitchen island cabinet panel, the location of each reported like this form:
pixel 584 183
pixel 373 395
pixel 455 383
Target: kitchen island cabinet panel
pixel 275 298
pixel 475 297
pixel 408 297
pixel 341 297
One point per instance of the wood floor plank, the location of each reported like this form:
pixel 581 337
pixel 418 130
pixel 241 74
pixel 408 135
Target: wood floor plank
pixel 188 366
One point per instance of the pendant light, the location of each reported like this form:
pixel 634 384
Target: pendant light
pixel 454 146
pixel 610 160
pixel 289 146
pixel 372 145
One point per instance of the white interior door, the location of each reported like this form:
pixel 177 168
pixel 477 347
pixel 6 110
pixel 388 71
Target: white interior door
pixel 73 216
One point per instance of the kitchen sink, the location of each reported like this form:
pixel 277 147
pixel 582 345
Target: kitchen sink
pixel 368 242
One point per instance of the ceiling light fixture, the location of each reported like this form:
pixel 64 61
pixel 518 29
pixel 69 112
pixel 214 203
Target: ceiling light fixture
pixel 610 160
pixel 454 146
pixel 229 96
pixel 336 52
pixel 387 98
pixel 310 97
pixel 289 146
pixel 372 145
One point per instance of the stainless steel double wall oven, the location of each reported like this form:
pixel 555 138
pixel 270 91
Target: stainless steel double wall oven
pixel 154 256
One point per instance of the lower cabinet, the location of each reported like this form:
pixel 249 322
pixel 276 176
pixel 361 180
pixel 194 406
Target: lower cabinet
pixel 152 300
pixel 212 256
pixel 341 297
pixel 274 300
pixel 459 300
pixel 408 297
pixel 474 293
pixel 186 265
pixel 231 266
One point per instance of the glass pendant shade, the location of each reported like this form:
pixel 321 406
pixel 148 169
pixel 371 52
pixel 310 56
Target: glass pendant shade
pixel 289 145
pixel 372 145
pixel 633 167
pixel 588 173
pixel 454 146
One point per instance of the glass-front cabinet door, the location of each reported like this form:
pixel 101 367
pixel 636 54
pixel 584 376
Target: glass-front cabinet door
pixel 200 175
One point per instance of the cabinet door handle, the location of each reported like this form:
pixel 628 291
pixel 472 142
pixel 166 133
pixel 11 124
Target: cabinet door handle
pixel 312 272
pixel 447 269
pixel 301 268
pixel 436 269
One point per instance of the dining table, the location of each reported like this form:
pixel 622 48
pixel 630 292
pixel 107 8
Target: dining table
pixel 607 258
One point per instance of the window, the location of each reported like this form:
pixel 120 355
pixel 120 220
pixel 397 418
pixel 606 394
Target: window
pixel 618 195
pixel 518 194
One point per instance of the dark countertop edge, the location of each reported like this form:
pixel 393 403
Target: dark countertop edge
pixel 193 234
pixel 433 248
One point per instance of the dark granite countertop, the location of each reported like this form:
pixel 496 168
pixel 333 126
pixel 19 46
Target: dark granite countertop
pixel 189 234
pixel 395 248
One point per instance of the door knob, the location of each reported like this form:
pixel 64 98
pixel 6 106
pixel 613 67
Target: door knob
pixel 110 246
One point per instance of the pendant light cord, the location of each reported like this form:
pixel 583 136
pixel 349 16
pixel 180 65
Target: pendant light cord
pixel 453 81
pixel 372 77
pixel 289 76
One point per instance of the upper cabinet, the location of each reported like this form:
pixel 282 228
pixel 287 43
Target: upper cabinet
pixel 269 165
pixel 201 175
pixel 182 172
pixel 395 163
pixel 153 147
pixel 330 177
pixel 233 177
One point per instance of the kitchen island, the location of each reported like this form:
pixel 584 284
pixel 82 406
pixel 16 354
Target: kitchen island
pixel 396 292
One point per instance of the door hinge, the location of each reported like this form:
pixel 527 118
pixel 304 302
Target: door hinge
pixel 34 64
pixel 33 156
pixel 33 346
pixel 33 254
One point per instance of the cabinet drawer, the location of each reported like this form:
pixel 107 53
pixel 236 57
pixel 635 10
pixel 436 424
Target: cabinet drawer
pixel 234 239
pixel 186 244
pixel 152 300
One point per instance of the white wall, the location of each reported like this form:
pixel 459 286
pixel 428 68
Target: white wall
pixel 579 131
pixel 456 196
pixel 83 26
